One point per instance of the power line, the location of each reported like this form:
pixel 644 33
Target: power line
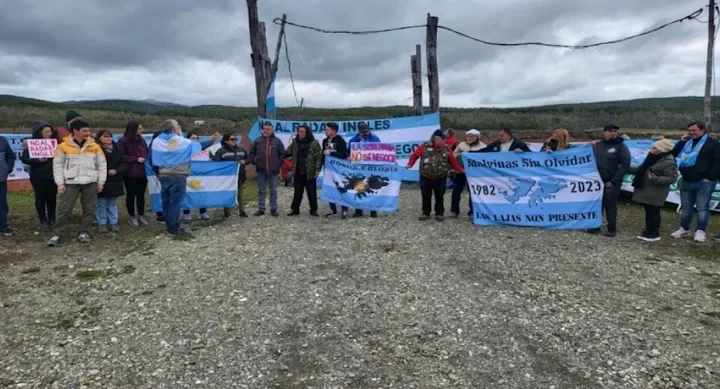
pixel 292 80
pixel 692 16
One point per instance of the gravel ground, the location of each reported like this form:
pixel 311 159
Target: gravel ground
pixel 374 303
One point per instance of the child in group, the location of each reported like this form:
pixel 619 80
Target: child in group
pixel 106 211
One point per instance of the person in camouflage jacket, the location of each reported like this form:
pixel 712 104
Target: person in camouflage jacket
pixel 307 161
pixel 437 163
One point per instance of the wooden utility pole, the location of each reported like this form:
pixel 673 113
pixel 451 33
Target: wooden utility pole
pixel 709 67
pixel 416 72
pixel 259 56
pixel 432 67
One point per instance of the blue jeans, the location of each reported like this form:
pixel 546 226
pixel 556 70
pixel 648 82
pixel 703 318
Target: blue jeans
pixel 4 210
pixel 106 211
pixel 695 195
pixel 263 179
pixel 173 197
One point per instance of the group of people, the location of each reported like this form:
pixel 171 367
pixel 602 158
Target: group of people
pixel 98 170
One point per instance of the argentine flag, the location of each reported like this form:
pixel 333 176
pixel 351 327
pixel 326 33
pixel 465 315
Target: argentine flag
pixel 210 185
pixel 270 100
pixel 169 150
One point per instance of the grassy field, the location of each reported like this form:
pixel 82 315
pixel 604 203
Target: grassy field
pixel 31 241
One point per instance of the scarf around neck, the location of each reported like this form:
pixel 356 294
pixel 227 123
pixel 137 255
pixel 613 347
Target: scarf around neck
pixel 689 153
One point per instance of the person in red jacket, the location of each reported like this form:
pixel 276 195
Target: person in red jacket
pixel 437 163
pixel 286 171
pixel 450 139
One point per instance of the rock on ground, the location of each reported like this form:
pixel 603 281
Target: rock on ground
pixel 390 302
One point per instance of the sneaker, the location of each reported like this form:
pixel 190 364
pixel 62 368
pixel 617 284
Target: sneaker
pixel 187 217
pixel 274 213
pixel 160 219
pixel 439 218
pixel 259 213
pixel 103 228
pixel 293 213
pixel 114 228
pixel 680 233
pixel 133 221
pixel 424 217
pixel 243 214
pixel 330 214
pixel 343 215
pixel 204 216
pixel 52 242
pixel 373 214
pixel 7 231
pixel 454 215
pixel 700 236
pixel 645 237
pixel 314 213
pixel 84 237
pixel 143 221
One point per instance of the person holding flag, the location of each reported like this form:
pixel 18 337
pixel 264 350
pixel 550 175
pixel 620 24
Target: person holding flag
pixel 170 156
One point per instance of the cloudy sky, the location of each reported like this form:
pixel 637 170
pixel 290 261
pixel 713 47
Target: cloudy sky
pixel 197 52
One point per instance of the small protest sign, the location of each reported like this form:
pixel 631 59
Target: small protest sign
pixel 41 148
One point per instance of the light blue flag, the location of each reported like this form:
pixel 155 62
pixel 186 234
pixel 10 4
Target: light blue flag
pixel 560 190
pixel 210 185
pixel 361 186
pixel 170 150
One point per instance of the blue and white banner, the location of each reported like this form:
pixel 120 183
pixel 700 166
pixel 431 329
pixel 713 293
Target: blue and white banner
pixel 210 185
pixel 361 186
pixel 561 190
pixel 406 133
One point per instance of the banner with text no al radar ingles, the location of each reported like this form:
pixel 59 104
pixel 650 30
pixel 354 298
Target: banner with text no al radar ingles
pixel 561 190
pixel 361 186
pixel 406 133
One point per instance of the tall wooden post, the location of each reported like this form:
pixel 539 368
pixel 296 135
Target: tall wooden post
pixel 432 67
pixel 416 71
pixel 709 67
pixel 259 56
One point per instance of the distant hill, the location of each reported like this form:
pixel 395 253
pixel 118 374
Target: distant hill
pixel 671 113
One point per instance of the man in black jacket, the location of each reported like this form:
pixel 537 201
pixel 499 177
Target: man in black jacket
pixel 698 158
pixel 613 161
pixel 506 142
pixel 334 146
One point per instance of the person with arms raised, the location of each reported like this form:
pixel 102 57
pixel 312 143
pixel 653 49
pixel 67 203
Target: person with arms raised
pixel 699 163
pixel 170 156
pixel 41 176
pixel 79 170
pixel 437 163
pixel 334 146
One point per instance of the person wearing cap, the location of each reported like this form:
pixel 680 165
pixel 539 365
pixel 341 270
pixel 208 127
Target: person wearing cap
pixel 437 163
pixel 699 162
pixel 363 135
pixel 652 184
pixel 612 157
pixel 506 142
pixel 471 143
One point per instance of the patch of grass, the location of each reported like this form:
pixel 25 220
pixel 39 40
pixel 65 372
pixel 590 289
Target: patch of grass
pixel 31 270
pixel 712 314
pixel 715 284
pixel 666 308
pixel 65 320
pixel 89 274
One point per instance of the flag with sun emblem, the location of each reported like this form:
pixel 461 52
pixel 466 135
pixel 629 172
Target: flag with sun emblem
pixel 210 185
pixel 361 186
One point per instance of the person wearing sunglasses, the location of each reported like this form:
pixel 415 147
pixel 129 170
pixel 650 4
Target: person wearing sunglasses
pixel 231 151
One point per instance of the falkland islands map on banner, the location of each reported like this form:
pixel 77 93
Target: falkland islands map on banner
pixel 361 185
pixel 559 190
pixel 406 133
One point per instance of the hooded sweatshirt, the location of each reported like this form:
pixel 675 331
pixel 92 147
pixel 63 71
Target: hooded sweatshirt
pixel 39 169
pixel 613 160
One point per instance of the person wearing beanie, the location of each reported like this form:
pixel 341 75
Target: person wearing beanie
pixel 699 163
pixel 471 143
pixel 613 161
pixel 437 163
pixel 72 116
pixel 652 184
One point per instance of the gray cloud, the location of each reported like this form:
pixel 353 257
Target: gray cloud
pixel 197 52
